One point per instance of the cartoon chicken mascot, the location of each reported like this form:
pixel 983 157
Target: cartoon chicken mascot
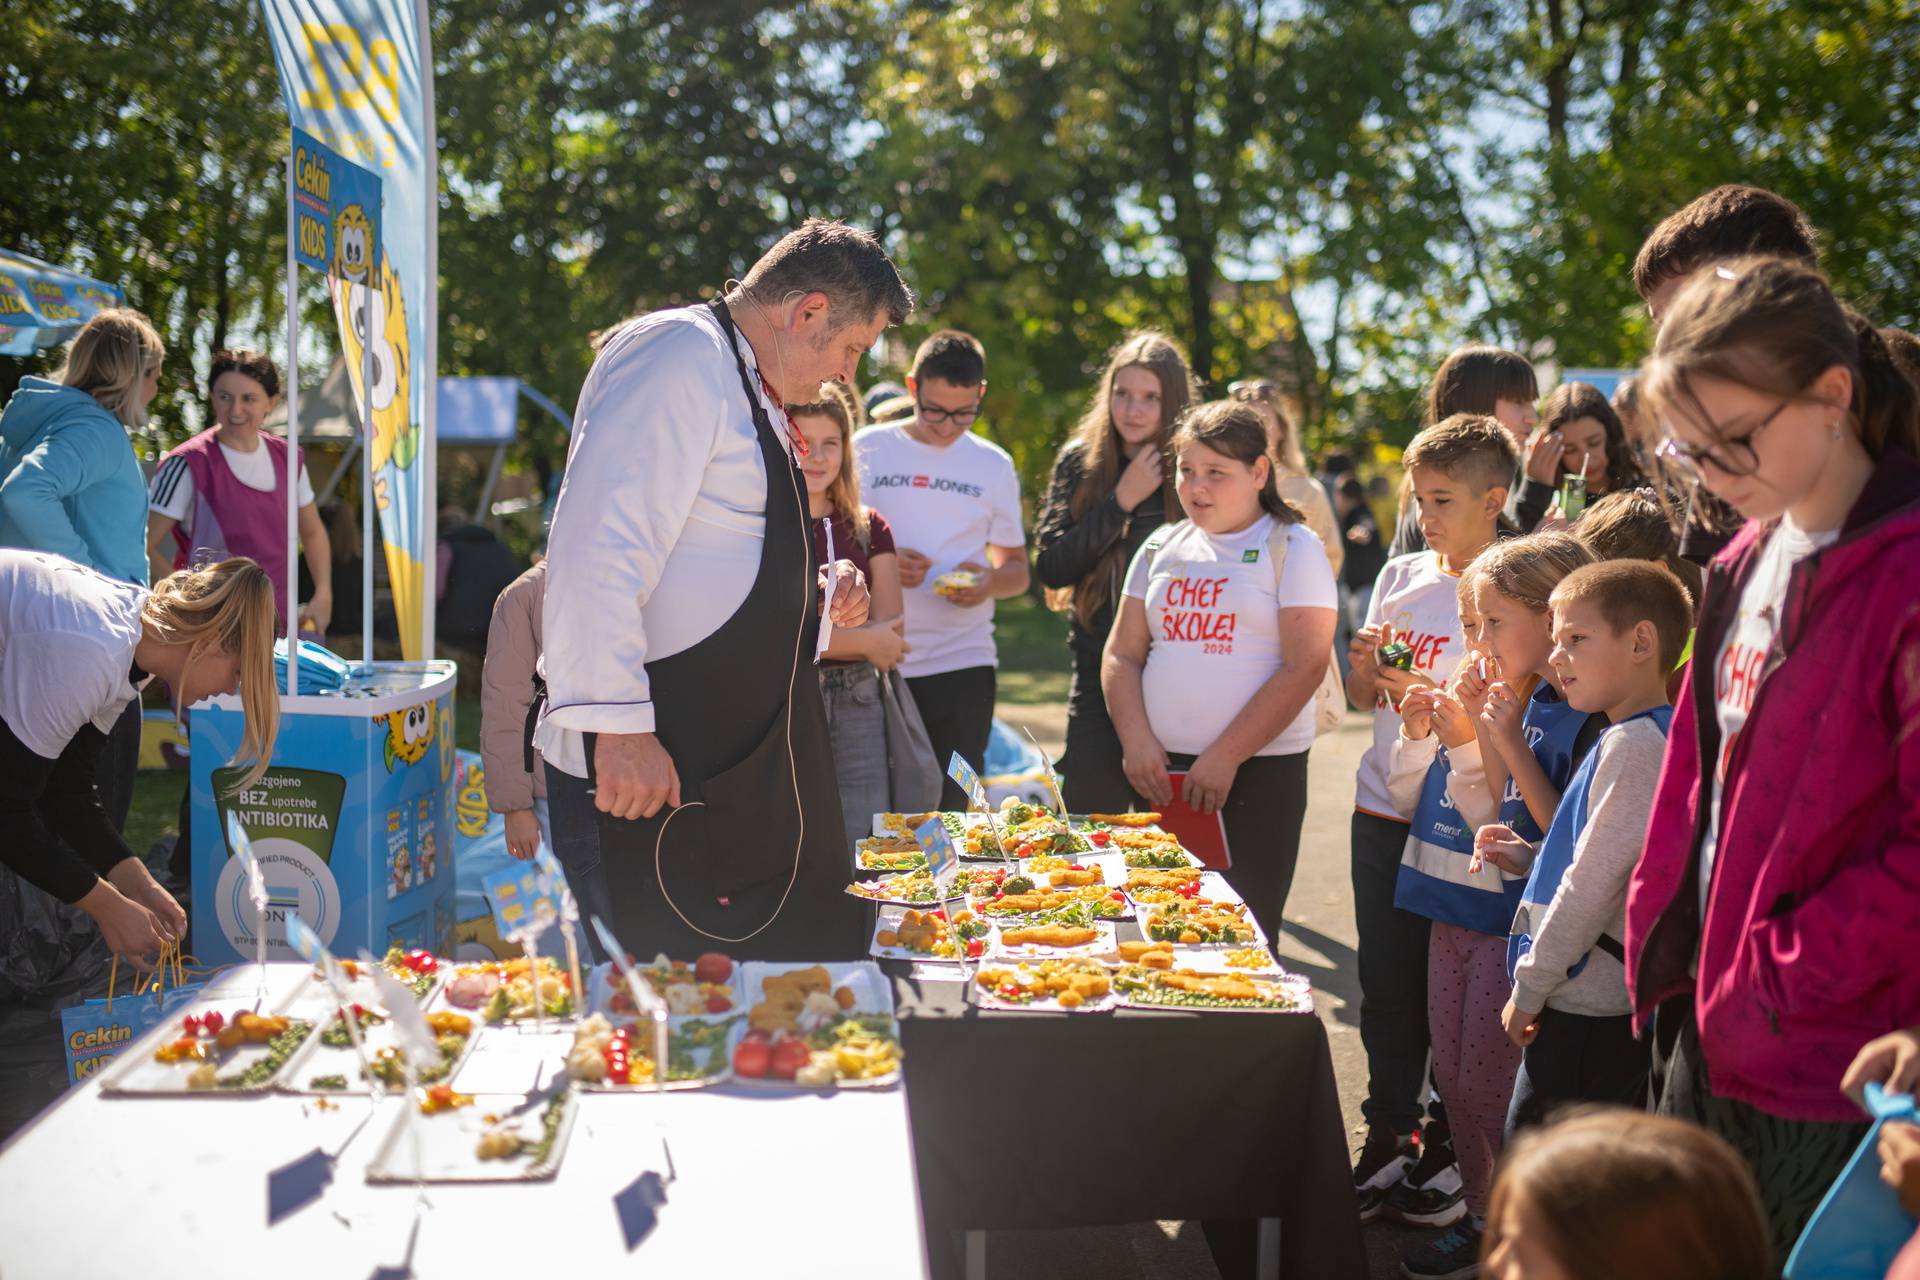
pixel 409 734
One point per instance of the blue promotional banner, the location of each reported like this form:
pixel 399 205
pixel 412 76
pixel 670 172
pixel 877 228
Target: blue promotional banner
pixel 942 857
pixel 42 305
pixel 962 772
pixel 336 211
pixel 524 901
pixel 356 75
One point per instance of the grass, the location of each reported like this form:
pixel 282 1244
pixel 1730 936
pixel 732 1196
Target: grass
pixel 1035 665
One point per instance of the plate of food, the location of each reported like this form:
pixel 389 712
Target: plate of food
pixel 503 991
pixel 1063 985
pixel 1040 941
pixel 955 581
pixel 1151 988
pixel 908 889
pixel 817 1027
pixel 704 988
pixel 1141 847
pixel 419 971
pixel 605 1058
pixel 328 1063
pixel 1074 871
pixel 908 933
pixel 1195 924
pixel 888 853
pixel 1029 830
pixel 212 1050
pixel 1020 899
pixel 902 824
pixel 1255 958
pixel 1149 887
pixel 446 1136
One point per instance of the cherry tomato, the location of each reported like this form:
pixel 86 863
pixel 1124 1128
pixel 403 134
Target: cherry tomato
pixel 212 1021
pixel 1074 866
pixel 191 1024
pixel 713 967
pixel 789 1055
pixel 1118 896
pixel 1011 990
pixel 719 1002
pixel 1101 839
pixel 421 961
pixel 975 946
pixel 938 913
pixel 751 1058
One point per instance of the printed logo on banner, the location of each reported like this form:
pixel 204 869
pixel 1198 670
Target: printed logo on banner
pixel 336 213
pixel 523 901
pixel 288 817
pixel 409 734
pixel 942 857
pixel 962 772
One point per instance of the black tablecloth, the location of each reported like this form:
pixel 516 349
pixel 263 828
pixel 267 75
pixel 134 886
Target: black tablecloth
pixel 1026 1120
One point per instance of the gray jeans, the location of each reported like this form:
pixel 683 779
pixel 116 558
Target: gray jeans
pixel 858 720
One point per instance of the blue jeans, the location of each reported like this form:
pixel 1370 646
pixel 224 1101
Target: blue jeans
pixel 575 837
pixel 858 721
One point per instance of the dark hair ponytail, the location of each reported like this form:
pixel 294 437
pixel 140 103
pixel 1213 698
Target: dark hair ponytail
pixel 1235 430
pixel 1885 402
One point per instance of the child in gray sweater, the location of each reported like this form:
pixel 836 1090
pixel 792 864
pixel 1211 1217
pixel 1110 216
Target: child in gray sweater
pixel 1618 629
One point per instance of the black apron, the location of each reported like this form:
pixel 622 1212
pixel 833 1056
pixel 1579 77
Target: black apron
pixel 751 863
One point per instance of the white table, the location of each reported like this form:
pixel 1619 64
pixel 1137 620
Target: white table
pixel 785 1185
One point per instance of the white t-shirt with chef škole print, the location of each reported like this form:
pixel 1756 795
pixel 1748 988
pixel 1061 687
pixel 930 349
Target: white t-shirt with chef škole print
pixel 1416 602
pixel 1213 622
pixel 949 504
pixel 1742 660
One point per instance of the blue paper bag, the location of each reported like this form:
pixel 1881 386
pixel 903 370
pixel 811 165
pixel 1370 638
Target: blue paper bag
pixel 1859 1226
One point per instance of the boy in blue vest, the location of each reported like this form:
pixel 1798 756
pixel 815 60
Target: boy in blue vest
pixel 1618 628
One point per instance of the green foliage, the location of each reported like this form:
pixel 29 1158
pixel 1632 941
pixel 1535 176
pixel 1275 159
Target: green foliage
pixel 1328 193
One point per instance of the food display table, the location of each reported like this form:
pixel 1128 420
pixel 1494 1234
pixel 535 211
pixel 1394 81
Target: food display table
pixel 1222 1118
pixel 761 1184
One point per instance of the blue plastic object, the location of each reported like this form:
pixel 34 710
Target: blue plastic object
pixel 1860 1225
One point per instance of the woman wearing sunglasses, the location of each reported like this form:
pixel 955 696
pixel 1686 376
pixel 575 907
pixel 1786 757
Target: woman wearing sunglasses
pixel 1770 918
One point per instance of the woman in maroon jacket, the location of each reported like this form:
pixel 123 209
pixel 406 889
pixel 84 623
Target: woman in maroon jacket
pixel 1771 916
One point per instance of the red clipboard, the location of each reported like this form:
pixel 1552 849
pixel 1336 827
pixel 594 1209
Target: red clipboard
pixel 1203 834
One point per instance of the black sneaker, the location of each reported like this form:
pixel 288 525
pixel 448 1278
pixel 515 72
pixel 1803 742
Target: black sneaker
pixel 1454 1256
pixel 1380 1166
pixel 1432 1194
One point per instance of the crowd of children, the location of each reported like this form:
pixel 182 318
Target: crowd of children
pixel 1631 836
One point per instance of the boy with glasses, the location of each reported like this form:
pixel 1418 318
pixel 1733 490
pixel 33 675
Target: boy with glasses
pixel 953 499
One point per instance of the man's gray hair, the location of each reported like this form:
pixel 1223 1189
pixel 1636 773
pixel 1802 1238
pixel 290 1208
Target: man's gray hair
pixel 845 263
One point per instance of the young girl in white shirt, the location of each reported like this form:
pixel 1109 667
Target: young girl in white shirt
pixel 1216 651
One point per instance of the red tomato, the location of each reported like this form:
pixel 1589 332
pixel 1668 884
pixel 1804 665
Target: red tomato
pixel 719 1002
pixel 975 946
pixel 1074 866
pixel 1118 896
pixel 713 967
pixel 421 961
pixel 938 913
pixel 212 1021
pixel 789 1055
pixel 1101 839
pixel 191 1024
pixel 751 1058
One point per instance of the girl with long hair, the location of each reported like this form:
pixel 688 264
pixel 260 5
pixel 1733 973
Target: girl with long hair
pixel 1223 635
pixel 857 658
pixel 1111 489
pixel 76 649
pixel 1769 921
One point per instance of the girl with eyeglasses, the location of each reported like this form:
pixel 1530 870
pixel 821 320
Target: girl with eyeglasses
pixel 1112 487
pixel 1770 918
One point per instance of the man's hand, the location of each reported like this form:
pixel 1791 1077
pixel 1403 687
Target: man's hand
pixel 913 567
pixel 131 877
pixel 1209 779
pixel 847 601
pixel 979 593
pixel 523 834
pixel 634 776
pixel 1521 1028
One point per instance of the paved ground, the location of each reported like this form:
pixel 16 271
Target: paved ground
pixel 1319 943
